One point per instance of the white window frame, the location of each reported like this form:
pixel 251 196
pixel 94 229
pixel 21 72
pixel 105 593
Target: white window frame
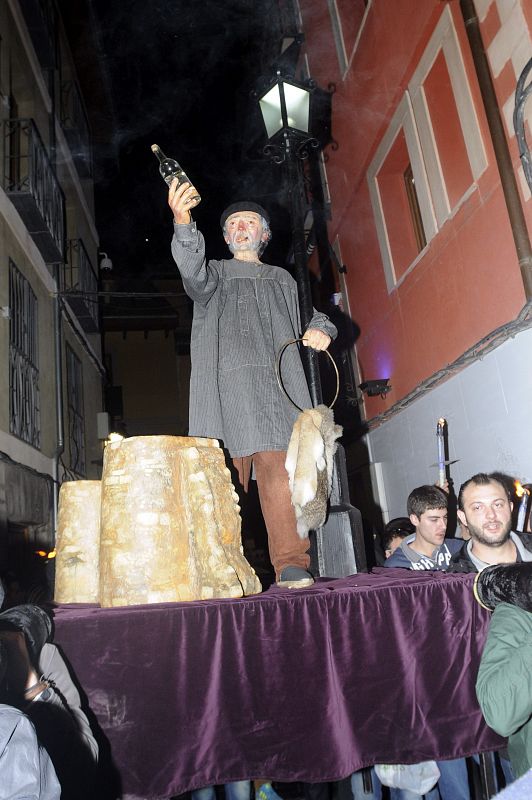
pixel 412 116
pixel 345 58
pixel 402 120
pixel 445 39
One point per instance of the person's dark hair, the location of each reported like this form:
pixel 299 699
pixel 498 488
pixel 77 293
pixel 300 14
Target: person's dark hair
pixel 482 479
pixel 33 621
pixel 400 526
pixel 425 498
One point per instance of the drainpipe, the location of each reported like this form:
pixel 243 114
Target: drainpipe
pixel 500 146
pixel 60 442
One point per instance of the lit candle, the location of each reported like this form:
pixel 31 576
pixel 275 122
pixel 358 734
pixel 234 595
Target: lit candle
pixel 441 451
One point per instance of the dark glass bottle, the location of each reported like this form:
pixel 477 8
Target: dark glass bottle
pixel 170 169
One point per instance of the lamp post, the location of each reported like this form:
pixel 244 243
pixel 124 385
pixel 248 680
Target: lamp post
pixel 285 110
pixel 338 548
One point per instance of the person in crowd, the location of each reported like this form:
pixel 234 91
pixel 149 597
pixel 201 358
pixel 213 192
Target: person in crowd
pixel 393 534
pixel 361 785
pixel 26 770
pixel 244 312
pixel 427 548
pixel 234 790
pixel 504 680
pixel 521 789
pixel 485 507
pixel 39 683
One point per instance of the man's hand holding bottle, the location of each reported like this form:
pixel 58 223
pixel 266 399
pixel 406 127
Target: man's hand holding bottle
pixel 181 198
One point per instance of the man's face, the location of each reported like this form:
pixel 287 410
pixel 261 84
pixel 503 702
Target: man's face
pixel 430 529
pixel 487 513
pixel 244 231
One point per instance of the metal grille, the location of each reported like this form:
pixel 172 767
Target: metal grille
pixel 29 173
pixel 76 419
pixel 24 400
pixel 80 284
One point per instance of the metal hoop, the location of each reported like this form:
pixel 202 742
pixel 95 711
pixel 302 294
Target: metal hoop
pixel 280 381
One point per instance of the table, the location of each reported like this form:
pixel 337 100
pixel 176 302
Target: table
pixel 290 685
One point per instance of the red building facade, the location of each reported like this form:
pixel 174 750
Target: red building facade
pixel 419 216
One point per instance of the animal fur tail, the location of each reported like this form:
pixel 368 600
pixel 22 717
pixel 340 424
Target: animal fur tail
pixel 309 463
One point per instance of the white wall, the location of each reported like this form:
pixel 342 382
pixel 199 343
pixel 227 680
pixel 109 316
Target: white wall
pixel 488 408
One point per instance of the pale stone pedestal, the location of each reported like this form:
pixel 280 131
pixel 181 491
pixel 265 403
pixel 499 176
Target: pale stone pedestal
pixel 77 564
pixel 170 523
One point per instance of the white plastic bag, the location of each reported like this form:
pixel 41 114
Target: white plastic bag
pixel 419 778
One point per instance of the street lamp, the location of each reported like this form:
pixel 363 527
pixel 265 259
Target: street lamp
pixel 285 106
pixel 286 109
pixel 286 112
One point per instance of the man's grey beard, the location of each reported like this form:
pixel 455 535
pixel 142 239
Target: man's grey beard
pixel 259 248
pixel 246 246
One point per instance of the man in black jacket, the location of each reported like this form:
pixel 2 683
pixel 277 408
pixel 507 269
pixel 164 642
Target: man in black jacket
pixel 484 505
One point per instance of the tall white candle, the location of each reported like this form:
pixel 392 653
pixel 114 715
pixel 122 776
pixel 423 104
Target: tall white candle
pixel 522 511
pixel 441 451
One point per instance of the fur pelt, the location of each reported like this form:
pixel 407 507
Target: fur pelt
pixel 309 463
pixel 506 583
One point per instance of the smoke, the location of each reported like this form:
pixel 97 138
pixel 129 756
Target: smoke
pixel 179 74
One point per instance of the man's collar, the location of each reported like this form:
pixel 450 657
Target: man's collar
pixel 522 553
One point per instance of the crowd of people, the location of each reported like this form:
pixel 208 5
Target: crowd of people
pixel 46 740
pixel 484 538
pixel 47 747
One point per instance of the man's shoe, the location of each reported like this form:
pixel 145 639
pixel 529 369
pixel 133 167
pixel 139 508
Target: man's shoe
pixel 295 578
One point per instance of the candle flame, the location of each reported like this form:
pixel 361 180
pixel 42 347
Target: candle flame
pixel 45 554
pixel 520 490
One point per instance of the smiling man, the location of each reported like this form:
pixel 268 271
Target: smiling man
pixel 427 548
pixel 244 312
pixel 484 506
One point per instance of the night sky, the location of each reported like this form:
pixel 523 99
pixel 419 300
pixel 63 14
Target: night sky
pixel 179 74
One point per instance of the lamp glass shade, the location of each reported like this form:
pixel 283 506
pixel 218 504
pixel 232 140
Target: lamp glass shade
pixel 297 106
pixel 270 106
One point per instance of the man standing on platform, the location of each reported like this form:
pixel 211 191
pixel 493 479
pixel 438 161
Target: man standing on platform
pixel 484 505
pixel 428 549
pixel 244 312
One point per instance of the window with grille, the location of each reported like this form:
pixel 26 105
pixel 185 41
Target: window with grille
pixel 76 419
pixel 24 400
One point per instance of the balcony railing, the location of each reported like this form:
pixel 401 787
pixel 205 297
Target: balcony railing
pixel 76 127
pixel 24 398
pixel 31 184
pixel 40 18
pixel 80 286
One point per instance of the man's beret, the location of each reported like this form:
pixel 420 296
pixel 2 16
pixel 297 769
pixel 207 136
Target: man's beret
pixel 244 205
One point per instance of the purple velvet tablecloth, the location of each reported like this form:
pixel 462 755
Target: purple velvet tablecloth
pixel 289 685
